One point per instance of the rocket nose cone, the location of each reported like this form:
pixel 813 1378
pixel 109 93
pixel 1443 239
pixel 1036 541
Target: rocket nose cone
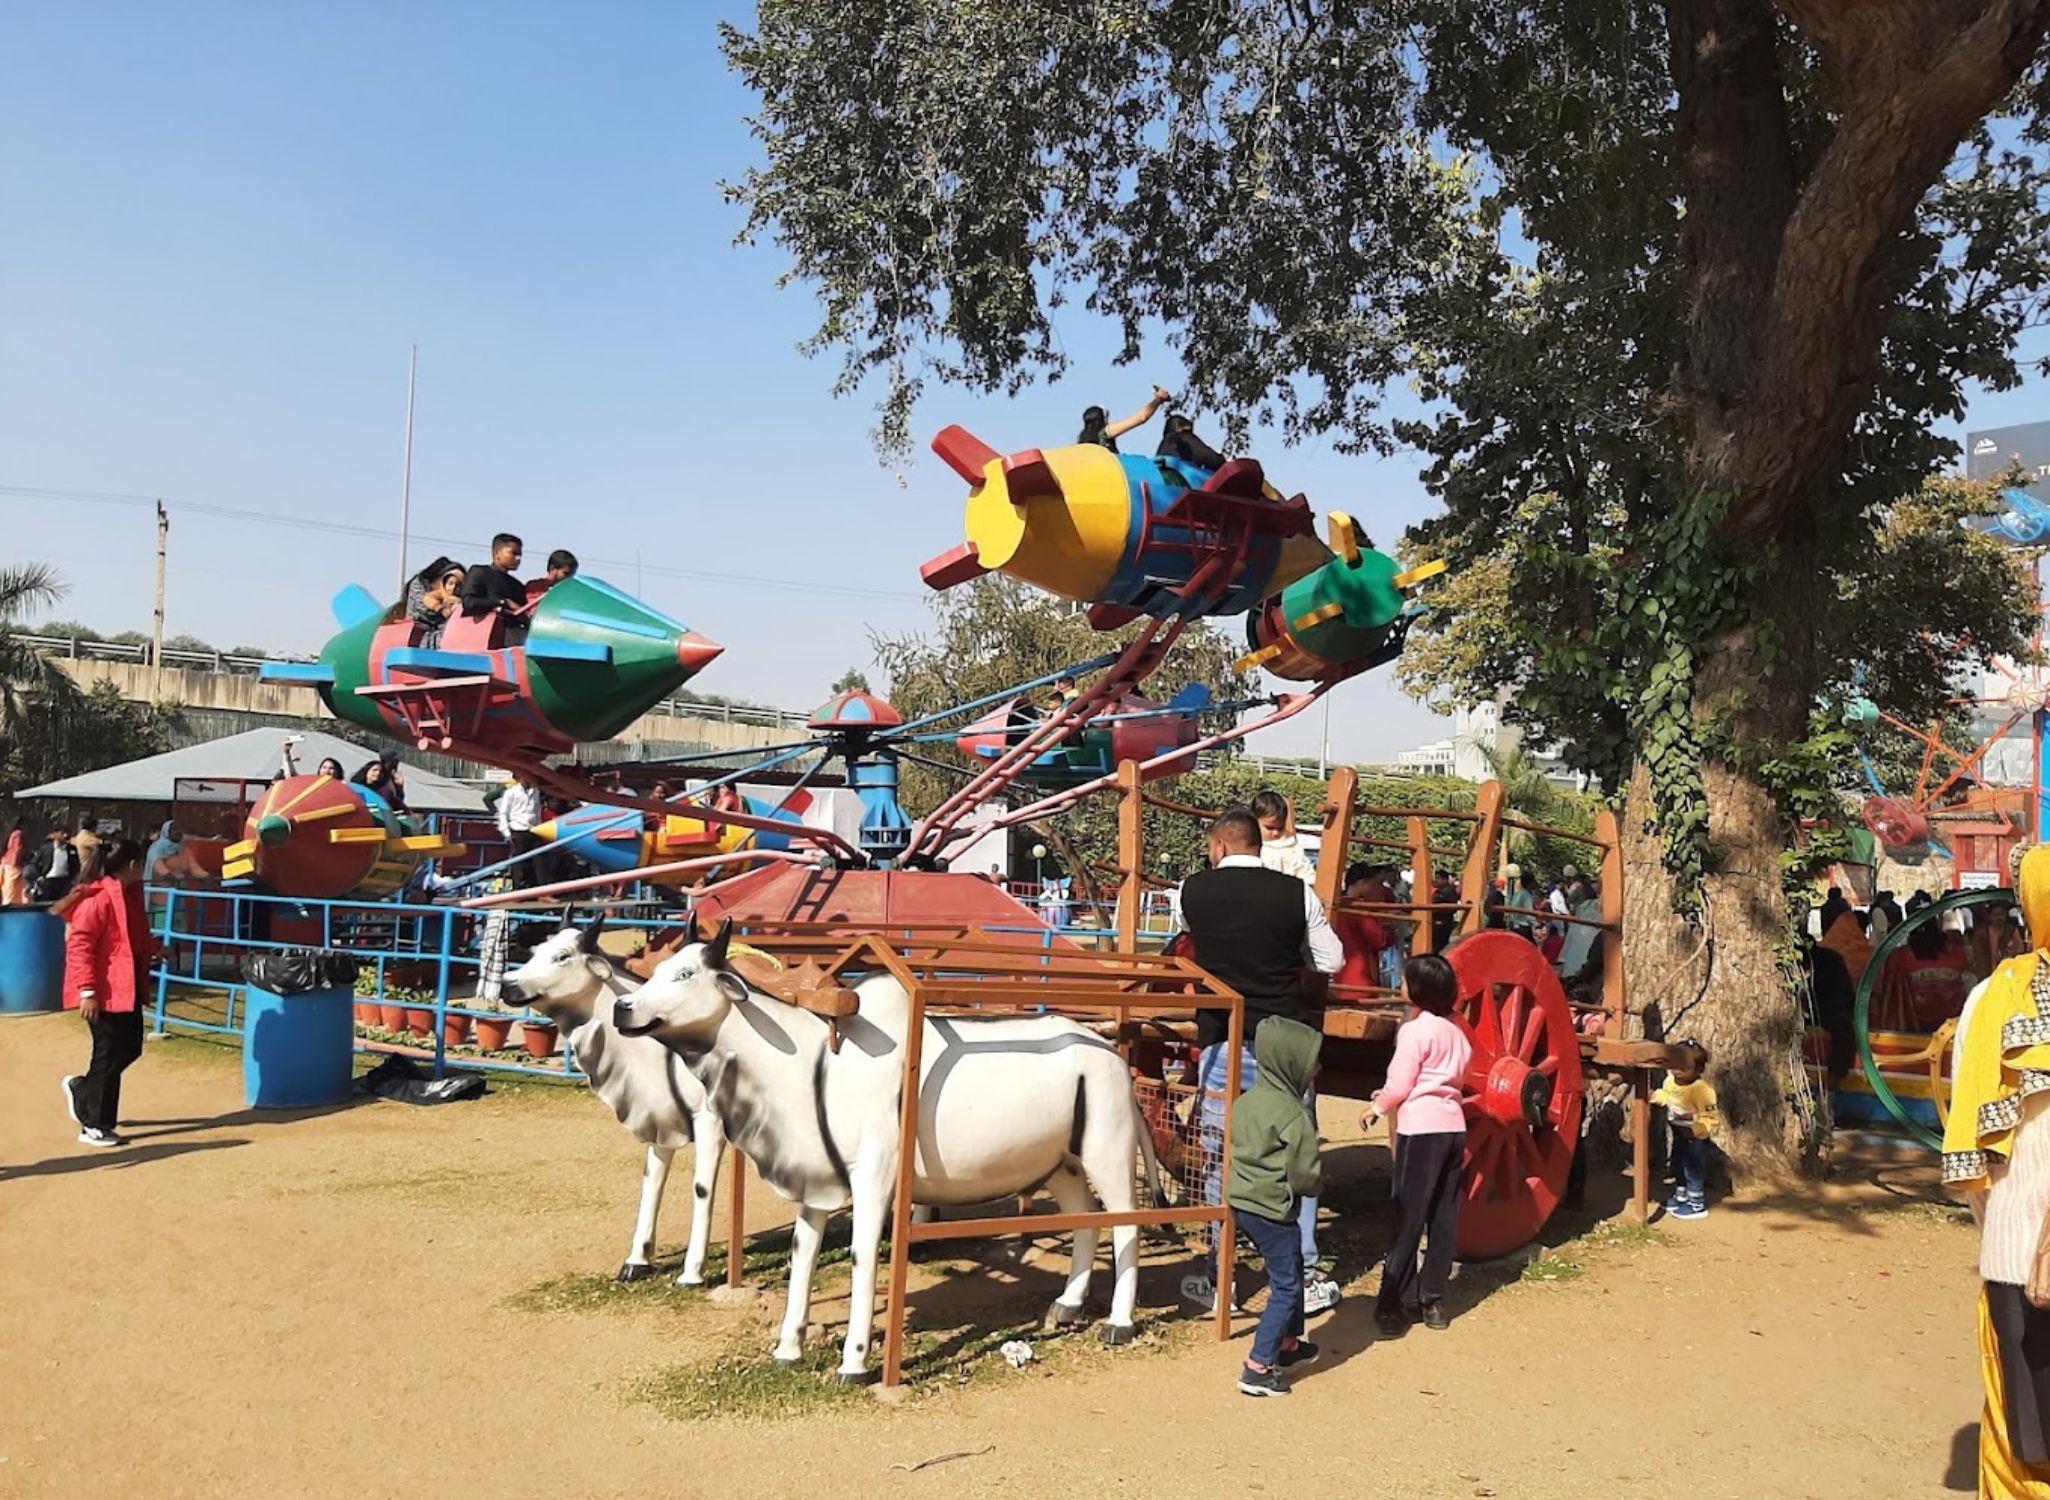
pixel 545 832
pixel 272 830
pixel 694 653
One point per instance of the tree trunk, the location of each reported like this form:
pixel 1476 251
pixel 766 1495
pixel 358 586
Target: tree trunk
pixel 1725 982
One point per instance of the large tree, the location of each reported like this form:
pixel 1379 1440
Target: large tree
pixel 1708 267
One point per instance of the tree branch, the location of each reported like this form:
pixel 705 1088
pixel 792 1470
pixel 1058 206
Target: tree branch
pixel 1909 101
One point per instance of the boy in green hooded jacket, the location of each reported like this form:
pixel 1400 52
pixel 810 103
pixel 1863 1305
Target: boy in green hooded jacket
pixel 1273 1165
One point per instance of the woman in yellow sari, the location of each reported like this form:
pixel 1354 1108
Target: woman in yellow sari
pixel 1996 1147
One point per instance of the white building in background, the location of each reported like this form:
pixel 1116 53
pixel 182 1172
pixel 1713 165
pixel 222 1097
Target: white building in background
pixel 1477 733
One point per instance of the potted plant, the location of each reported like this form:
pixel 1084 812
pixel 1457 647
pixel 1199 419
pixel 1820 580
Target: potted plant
pixel 493 1030
pixel 455 1028
pixel 368 1013
pixel 538 1037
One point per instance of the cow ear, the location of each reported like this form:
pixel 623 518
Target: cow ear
pixel 733 987
pixel 715 954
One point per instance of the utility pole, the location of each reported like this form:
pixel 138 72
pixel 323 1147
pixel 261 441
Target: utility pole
pixel 1324 749
pixel 156 650
pixel 406 472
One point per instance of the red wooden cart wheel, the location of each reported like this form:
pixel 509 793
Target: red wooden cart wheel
pixel 1523 1091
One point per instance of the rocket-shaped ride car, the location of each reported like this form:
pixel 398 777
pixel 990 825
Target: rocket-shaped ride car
pixel 590 661
pixel 1132 535
pixel 324 839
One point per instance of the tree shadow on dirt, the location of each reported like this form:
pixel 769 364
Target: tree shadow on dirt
pixel 1868 1182
pixel 100 1159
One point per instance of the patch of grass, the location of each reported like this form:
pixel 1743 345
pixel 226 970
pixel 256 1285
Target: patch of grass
pixel 765 1261
pixel 741 1389
pixel 1622 1232
pixel 1551 1266
pixel 745 1385
pixel 1930 1210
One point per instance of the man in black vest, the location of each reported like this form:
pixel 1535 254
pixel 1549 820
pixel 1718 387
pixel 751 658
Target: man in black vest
pixel 1255 929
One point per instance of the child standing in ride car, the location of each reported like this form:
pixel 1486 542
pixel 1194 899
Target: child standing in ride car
pixel 1690 1105
pixel 1274 1166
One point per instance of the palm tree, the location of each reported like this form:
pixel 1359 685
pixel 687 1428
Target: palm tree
pixel 1527 793
pixel 27 677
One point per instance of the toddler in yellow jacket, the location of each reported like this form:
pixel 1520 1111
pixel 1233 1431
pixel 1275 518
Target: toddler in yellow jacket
pixel 1689 1099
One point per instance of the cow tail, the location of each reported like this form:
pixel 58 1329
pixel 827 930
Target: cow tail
pixel 1154 1191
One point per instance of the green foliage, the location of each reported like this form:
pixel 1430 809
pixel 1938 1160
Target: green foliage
pixel 1305 201
pixel 853 680
pixel 48 728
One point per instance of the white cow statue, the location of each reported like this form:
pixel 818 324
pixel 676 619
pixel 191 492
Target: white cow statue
pixel 1005 1106
pixel 658 1099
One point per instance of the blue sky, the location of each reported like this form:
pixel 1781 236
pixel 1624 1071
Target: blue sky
pixel 226 223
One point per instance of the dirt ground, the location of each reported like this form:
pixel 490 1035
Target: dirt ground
pixel 386 1301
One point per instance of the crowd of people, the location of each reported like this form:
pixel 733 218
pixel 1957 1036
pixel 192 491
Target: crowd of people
pixel 1921 984
pixel 1252 918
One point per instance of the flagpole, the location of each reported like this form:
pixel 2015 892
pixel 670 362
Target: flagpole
pixel 406 472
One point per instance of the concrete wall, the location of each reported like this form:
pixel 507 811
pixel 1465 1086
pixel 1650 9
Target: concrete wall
pixel 215 694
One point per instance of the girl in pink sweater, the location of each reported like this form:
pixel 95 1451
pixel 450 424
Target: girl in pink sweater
pixel 1425 1082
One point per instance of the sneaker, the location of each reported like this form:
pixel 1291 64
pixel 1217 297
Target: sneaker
pixel 1304 1353
pixel 1435 1316
pixel 71 1083
pixel 1199 1290
pixel 1320 1294
pixel 94 1136
pixel 1261 1382
pixel 1686 1208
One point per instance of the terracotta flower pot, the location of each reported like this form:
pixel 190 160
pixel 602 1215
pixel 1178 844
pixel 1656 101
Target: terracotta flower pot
pixel 420 1020
pixel 538 1037
pixel 493 1031
pixel 393 1016
pixel 455 1029
pixel 368 1013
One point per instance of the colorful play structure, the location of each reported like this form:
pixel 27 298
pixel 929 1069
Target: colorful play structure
pixel 1148 546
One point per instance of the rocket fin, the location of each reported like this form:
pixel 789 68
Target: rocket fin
pixel 1345 537
pixel 1419 573
pixel 964 452
pixel 1317 616
pixel 955 565
pixel 1254 659
pixel 353 605
pixel 1028 476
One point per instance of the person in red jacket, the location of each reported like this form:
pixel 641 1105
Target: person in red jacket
pixel 107 953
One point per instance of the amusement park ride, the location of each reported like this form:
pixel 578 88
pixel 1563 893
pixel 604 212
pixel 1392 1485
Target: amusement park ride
pixel 1147 545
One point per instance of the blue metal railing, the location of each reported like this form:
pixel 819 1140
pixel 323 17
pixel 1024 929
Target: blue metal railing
pixel 205 935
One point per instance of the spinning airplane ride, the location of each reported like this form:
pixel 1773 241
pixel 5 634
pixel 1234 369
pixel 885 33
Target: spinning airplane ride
pixel 1147 546
pixel 1145 543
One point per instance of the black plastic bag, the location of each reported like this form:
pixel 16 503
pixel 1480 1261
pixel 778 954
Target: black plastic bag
pixel 294 971
pixel 398 1078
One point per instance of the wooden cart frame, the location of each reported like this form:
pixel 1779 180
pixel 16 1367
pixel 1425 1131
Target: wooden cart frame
pixel 951 970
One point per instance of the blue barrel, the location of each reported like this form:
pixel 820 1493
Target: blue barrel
pixel 297 1050
pixel 31 960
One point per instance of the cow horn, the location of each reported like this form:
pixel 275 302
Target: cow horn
pixel 715 954
pixel 569 913
pixel 690 930
pixel 588 938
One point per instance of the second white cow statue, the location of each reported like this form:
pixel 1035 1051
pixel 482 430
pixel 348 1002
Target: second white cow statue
pixel 1004 1107
pixel 658 1099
